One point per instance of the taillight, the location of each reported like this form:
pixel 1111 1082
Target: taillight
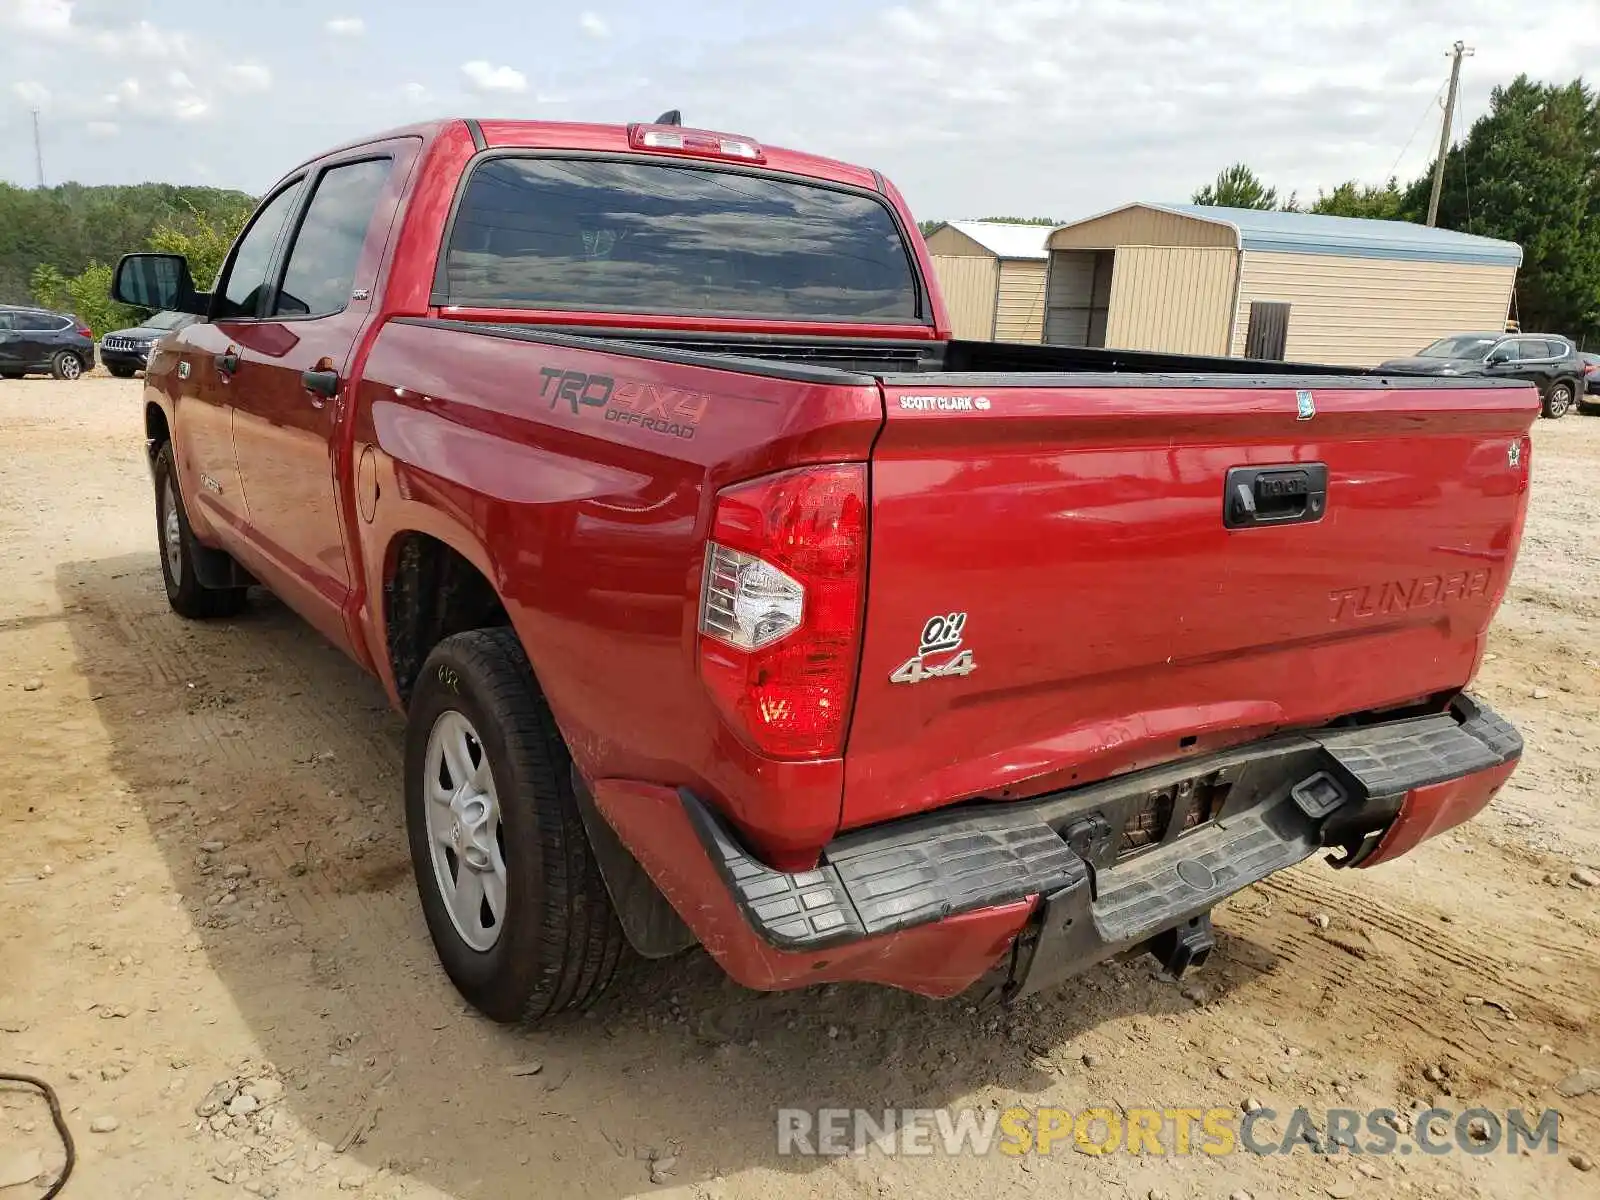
pixel 701 143
pixel 85 331
pixel 780 608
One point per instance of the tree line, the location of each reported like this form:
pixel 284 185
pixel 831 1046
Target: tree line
pixel 58 245
pixel 1528 172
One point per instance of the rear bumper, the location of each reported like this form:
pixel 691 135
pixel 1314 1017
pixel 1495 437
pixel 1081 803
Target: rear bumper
pixel 1044 888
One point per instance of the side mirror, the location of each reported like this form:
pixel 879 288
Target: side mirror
pixel 1497 358
pixel 159 281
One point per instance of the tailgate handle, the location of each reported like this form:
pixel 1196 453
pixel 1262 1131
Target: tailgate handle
pixel 1285 495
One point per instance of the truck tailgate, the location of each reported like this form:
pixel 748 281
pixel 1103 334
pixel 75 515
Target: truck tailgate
pixel 1095 610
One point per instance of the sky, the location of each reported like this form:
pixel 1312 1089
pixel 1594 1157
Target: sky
pixel 1055 108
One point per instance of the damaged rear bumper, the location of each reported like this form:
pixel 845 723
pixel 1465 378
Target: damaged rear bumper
pixel 1045 888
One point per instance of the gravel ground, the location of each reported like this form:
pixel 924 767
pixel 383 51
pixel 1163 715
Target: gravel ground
pixel 210 942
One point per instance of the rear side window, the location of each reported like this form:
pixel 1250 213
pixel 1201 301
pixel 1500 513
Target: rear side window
pixel 327 247
pixel 39 321
pixel 641 237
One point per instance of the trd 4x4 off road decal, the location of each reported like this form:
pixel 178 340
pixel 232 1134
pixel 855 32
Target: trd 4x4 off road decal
pixel 671 412
pixel 940 635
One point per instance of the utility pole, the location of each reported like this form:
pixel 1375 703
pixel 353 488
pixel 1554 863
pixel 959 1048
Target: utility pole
pixel 38 149
pixel 1459 51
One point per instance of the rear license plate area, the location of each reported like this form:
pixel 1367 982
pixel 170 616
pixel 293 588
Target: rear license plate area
pixel 1162 814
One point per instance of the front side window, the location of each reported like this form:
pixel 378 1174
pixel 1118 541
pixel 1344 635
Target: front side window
pixel 241 294
pixel 327 248
pixel 654 238
pixel 1458 347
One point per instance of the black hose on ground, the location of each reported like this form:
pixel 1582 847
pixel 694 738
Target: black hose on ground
pixel 60 1123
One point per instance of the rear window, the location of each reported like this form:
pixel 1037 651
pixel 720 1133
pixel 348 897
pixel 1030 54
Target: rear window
pixel 638 237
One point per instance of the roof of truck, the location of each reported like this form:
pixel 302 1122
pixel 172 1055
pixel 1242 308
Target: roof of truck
pixel 579 136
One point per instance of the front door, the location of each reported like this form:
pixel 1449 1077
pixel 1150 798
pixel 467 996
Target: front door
pixel 11 362
pixel 293 364
pixel 204 373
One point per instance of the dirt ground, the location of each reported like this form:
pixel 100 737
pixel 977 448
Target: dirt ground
pixel 204 880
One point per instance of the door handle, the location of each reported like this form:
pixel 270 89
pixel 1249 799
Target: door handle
pixel 228 361
pixel 1285 495
pixel 320 383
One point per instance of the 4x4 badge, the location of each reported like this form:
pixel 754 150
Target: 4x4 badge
pixel 941 635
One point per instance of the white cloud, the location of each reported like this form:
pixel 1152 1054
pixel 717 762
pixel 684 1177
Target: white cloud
pixel 416 93
pixel 31 93
pixel 1068 107
pixel 190 108
pixel 346 26
pixel 103 129
pixel 594 25
pixel 47 18
pixel 482 77
pixel 248 77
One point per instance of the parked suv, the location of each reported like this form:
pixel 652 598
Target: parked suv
pixel 1591 374
pixel 127 350
pixel 1545 359
pixel 36 340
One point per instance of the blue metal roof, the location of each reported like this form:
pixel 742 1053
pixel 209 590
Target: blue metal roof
pixel 1351 237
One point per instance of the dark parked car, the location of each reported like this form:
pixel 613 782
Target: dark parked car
pixel 1591 375
pixel 36 340
pixel 126 350
pixel 1545 359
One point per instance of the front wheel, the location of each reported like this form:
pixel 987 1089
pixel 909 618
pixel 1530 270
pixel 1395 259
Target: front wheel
pixel 187 596
pixel 121 372
pixel 66 365
pixel 1558 400
pixel 512 894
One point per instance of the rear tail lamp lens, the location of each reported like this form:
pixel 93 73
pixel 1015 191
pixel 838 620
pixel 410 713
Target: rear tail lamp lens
pixel 780 608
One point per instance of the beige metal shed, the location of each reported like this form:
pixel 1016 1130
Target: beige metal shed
pixel 991 275
pixel 1302 286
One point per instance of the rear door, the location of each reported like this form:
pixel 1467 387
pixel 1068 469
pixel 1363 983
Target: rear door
pixel 11 360
pixel 1055 592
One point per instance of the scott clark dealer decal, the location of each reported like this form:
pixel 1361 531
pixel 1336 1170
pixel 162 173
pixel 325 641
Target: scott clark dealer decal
pixel 944 403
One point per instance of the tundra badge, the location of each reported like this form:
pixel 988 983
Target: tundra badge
pixel 941 634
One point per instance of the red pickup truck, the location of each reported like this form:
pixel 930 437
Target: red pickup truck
pixel 730 600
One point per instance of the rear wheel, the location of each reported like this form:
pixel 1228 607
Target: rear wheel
pixel 511 892
pixel 1558 399
pixel 66 365
pixel 185 593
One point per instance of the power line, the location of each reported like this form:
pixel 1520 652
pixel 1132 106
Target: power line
pixel 1421 121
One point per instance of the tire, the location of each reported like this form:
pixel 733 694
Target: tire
pixel 556 942
pixel 66 365
pixel 1558 399
pixel 175 540
pixel 121 372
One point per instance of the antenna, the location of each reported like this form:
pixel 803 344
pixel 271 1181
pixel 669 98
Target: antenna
pixel 671 117
pixel 38 149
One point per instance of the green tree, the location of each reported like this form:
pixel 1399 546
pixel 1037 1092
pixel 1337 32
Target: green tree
pixel 1353 199
pixel 1022 220
pixel 203 238
pixel 70 226
pixel 1529 172
pixel 1238 187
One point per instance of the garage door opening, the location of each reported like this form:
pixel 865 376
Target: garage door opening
pixel 1078 297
